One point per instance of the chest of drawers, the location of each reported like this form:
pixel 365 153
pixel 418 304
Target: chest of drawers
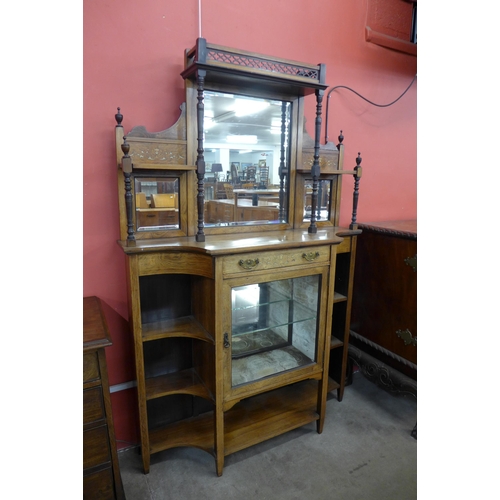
pixel 101 473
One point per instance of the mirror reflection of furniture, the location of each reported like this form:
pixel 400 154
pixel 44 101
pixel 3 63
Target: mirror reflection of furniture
pixel 229 191
pixel 235 178
pixel 141 201
pixel 251 173
pixel 164 200
pixel 216 169
pixel 263 175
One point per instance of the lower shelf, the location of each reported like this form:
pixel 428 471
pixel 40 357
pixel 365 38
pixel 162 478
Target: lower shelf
pixel 249 422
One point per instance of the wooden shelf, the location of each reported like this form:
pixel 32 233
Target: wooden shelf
pixel 267 415
pixel 183 382
pixel 332 385
pixel 338 297
pixel 180 327
pixel 197 431
pixel 335 342
pixel 250 422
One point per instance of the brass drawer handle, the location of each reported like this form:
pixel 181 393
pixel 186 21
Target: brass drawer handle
pixel 407 337
pixel 249 263
pixel 412 262
pixel 310 256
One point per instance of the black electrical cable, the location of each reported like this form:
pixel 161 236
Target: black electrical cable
pixel 364 98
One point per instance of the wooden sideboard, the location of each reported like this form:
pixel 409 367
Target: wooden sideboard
pixel 204 379
pixel 240 311
pixel 101 473
pixel 383 340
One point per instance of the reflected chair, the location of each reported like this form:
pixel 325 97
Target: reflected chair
pixel 229 191
pixel 141 201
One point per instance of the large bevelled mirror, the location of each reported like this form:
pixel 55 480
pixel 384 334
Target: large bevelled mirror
pixel 246 151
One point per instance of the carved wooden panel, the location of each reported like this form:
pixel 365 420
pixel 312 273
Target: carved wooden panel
pixel 154 151
pixel 167 147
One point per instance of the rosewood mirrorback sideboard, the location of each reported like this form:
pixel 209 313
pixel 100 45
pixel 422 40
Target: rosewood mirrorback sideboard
pixel 239 276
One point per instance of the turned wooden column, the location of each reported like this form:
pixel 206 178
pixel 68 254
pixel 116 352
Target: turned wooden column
pixel 315 169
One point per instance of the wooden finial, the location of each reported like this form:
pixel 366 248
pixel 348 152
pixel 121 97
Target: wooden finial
pixel 118 118
pixel 355 196
pixel 125 146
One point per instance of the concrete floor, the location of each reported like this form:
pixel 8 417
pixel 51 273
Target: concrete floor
pixel 365 452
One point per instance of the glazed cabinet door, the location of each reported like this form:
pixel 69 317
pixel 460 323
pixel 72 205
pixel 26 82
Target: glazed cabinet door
pixel 273 330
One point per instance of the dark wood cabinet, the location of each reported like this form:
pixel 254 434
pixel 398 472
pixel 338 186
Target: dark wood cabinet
pixel 101 473
pixel 384 309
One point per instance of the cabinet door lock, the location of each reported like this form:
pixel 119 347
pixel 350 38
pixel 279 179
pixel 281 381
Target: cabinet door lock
pixel 310 256
pixel 226 340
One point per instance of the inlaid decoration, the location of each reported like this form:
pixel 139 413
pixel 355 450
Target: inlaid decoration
pixel 327 162
pixel 158 152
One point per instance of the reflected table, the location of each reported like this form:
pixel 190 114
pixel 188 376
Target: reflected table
pixel 271 195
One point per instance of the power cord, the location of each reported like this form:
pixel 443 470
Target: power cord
pixel 364 98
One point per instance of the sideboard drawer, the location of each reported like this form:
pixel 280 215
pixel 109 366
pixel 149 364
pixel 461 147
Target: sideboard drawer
pixel 90 367
pixel 99 485
pixel 96 447
pixel 93 405
pixel 260 261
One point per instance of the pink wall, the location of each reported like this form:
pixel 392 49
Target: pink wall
pixel 133 56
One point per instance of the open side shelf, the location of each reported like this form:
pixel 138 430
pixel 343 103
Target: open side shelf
pixel 335 342
pixel 196 431
pixel 186 326
pixel 183 382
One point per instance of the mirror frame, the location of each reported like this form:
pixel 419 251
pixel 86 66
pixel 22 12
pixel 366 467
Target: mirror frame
pixel 218 68
pixel 191 111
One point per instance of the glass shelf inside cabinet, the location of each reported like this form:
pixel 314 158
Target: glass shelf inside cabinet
pixel 274 327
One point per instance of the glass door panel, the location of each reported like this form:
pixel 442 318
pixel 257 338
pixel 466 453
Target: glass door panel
pixel 274 327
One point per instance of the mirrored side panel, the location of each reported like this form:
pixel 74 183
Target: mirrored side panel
pixel 156 203
pixel 324 205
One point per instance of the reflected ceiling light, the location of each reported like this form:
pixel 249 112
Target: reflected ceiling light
pixel 248 107
pixel 208 123
pixel 242 139
pixel 243 151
